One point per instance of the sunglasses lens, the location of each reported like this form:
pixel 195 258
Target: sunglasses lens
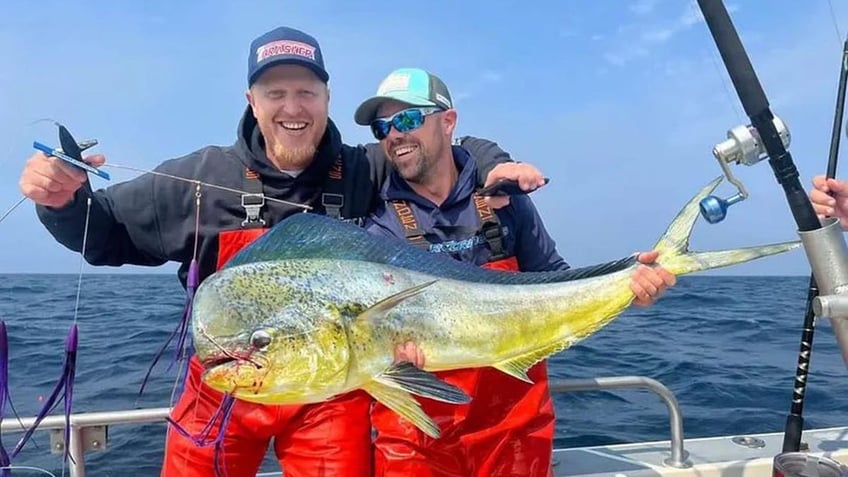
pixel 380 129
pixel 404 121
pixel 408 120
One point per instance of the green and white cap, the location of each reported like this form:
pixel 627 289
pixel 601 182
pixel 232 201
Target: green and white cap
pixel 412 86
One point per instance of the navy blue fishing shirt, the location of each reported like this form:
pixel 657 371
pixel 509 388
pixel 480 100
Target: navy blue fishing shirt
pixel 453 227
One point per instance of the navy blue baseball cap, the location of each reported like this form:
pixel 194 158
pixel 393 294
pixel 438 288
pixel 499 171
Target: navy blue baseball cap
pixel 285 45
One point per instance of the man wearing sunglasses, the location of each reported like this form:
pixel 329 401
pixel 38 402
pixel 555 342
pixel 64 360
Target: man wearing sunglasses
pixel 430 199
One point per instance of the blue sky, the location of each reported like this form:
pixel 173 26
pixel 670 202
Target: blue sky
pixel 619 102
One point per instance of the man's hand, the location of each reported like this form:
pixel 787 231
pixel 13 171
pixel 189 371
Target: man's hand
pixel 830 198
pixel 649 283
pixel 52 182
pixel 409 352
pixel 528 177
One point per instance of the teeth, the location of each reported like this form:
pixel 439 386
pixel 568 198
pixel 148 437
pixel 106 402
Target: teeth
pixel 293 126
pixel 404 150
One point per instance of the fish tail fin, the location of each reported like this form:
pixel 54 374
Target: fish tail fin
pixel 673 246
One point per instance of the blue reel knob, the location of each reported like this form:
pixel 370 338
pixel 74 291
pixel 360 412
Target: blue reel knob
pixel 714 209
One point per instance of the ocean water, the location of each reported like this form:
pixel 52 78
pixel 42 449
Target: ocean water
pixel 726 346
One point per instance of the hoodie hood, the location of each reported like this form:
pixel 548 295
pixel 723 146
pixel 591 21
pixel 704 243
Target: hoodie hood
pixel 251 145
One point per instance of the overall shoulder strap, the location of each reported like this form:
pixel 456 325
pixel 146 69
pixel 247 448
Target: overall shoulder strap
pixel 333 196
pixel 406 216
pixel 490 227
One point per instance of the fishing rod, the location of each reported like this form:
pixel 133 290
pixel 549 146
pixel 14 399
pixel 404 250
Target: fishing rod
pixel 767 136
pixel 795 420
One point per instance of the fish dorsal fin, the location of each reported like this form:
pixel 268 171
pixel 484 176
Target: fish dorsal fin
pixel 305 236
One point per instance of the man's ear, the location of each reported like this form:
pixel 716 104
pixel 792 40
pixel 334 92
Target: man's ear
pixel 449 121
pixel 248 95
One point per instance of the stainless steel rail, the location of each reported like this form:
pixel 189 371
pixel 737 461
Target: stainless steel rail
pixel 89 431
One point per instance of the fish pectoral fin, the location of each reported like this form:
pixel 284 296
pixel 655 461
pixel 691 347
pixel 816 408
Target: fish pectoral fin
pixel 517 367
pixel 404 404
pixel 381 307
pixel 406 376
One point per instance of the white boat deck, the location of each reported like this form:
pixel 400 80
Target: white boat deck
pixel 716 456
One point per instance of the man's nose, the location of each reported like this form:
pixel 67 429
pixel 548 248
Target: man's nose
pixel 292 106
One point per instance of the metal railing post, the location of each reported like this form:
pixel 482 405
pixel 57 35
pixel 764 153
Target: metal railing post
pixel 76 462
pixel 679 455
pixel 82 427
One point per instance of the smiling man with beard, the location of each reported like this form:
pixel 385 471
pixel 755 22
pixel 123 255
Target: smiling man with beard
pixel 290 106
pixel 430 200
pixel 288 156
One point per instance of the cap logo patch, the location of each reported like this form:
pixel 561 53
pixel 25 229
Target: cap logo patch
pixel 394 82
pixel 285 47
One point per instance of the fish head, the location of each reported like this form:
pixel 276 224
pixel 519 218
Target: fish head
pixel 274 348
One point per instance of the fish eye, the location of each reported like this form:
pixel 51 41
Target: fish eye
pixel 260 339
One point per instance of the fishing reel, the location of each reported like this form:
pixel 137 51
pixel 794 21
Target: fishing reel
pixel 742 146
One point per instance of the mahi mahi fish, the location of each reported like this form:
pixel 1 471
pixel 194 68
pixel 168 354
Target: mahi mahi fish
pixel 316 307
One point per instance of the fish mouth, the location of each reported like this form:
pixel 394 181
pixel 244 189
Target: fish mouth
pixel 237 375
pixel 217 361
pixel 222 360
pixel 222 355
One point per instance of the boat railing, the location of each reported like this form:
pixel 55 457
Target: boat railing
pixel 679 456
pixel 89 430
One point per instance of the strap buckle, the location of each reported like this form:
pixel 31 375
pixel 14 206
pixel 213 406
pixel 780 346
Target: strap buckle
pixel 333 204
pixel 252 204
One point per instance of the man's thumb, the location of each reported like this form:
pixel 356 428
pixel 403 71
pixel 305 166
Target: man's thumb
pixel 96 160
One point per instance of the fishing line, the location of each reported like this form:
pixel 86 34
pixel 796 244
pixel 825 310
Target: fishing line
pixel 64 388
pixel 731 99
pixel 197 196
pixel 174 177
pixel 228 354
pixel 192 271
pixel 207 184
pixel 181 330
pixel 8 154
pixel 71 345
pixel 82 257
pixel 727 94
pixel 68 378
pixel 7 398
pixel 835 23
pixel 183 179
pixel 756 106
pixel 11 209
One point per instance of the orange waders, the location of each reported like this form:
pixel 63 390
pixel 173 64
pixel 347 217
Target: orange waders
pixel 506 431
pixel 325 439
